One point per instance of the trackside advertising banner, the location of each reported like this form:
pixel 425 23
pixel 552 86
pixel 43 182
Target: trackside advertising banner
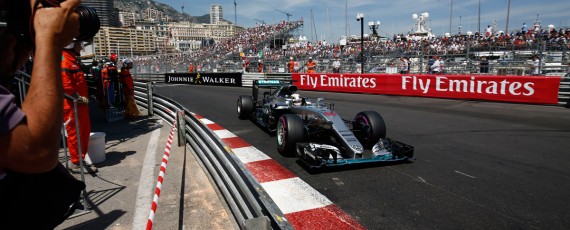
pixel 220 79
pixel 523 89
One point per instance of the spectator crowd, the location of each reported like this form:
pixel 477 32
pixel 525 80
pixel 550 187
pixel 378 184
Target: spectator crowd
pixel 252 41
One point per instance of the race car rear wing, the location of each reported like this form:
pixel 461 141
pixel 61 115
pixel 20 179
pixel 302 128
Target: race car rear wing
pixel 267 84
pixel 271 83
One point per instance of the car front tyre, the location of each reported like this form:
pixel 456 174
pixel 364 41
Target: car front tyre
pixel 372 127
pixel 245 107
pixel 290 131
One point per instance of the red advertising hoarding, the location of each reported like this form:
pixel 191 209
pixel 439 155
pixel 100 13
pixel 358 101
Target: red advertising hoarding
pixel 523 89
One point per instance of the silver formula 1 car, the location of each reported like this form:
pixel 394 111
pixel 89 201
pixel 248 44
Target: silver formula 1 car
pixel 315 132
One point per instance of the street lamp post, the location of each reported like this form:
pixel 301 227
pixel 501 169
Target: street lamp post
pixel 374 27
pixel 360 17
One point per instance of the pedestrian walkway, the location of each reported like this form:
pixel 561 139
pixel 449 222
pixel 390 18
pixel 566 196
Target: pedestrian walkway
pixel 121 193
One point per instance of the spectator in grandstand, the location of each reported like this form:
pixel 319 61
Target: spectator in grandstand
pixel 245 61
pixel 336 65
pixel 484 65
pixel 488 31
pixel 524 28
pixel 437 67
pixel 311 65
pixel 404 65
pixel 191 68
pixel 429 64
pixel 535 66
pixel 74 85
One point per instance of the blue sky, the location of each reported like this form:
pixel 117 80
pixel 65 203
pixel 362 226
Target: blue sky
pixel 395 16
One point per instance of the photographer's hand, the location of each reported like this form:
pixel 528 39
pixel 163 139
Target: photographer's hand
pixel 57 25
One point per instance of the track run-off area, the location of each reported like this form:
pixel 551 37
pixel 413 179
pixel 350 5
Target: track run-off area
pixel 479 164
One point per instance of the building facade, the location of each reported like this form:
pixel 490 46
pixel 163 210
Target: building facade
pixel 125 42
pixel 216 13
pixel 106 11
pixel 150 32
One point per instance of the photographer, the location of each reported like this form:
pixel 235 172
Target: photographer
pixel 30 137
pixel 30 174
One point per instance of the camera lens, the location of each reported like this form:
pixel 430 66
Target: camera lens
pixel 89 23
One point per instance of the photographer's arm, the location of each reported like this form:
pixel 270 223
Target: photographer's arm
pixel 33 145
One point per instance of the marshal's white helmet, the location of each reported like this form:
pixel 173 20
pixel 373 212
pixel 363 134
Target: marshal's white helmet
pixel 127 61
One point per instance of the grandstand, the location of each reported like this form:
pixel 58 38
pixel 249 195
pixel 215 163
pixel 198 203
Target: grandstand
pixel 508 53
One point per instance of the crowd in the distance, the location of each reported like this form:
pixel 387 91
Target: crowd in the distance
pixel 254 40
pixel 441 45
pixel 244 42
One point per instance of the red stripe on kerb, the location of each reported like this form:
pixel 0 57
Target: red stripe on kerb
pixel 235 142
pixel 198 116
pixel 329 217
pixel 268 170
pixel 215 127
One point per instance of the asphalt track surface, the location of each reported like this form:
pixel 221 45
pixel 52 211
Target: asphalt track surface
pixel 479 165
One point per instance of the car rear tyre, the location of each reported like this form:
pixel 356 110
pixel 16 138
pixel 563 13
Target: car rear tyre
pixel 290 131
pixel 245 107
pixel 372 127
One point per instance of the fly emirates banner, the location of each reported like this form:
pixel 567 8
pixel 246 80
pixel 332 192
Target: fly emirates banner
pixel 524 89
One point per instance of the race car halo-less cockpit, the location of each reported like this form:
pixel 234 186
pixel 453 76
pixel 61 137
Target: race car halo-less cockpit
pixel 315 132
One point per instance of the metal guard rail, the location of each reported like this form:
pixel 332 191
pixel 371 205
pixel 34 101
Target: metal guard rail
pixel 251 206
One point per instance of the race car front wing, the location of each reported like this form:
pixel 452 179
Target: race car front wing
pixel 322 155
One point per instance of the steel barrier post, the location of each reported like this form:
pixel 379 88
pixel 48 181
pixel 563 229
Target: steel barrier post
pixel 181 126
pixel 149 98
pixel 80 153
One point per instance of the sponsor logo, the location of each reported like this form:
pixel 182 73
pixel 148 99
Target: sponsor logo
pixel 179 79
pixel 230 79
pixel 217 80
pixel 198 79
pixel 268 82
pixel 350 81
pixel 471 85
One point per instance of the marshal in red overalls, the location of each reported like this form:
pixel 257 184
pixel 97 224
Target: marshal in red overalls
pixel 74 84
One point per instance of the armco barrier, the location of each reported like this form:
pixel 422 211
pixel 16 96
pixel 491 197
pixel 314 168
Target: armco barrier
pixel 251 206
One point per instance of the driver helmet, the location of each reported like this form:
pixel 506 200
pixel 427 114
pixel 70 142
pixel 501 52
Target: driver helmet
pixel 297 101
